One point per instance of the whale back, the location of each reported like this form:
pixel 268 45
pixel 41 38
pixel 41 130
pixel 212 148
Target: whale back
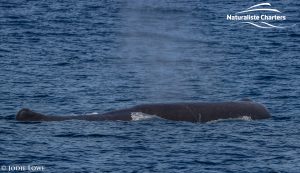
pixel 205 111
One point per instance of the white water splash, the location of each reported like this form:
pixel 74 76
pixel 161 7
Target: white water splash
pixel 243 118
pixel 93 113
pixel 137 116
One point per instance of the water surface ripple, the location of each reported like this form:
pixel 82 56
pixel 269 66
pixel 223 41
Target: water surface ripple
pixel 78 57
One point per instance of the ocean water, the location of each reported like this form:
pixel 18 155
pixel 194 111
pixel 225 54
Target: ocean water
pixel 79 57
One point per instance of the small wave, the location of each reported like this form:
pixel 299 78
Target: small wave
pixel 93 135
pixel 62 64
pixel 9 117
pixel 243 118
pixel 75 135
pixel 137 116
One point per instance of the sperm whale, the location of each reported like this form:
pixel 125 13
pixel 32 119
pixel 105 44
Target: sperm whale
pixel 191 112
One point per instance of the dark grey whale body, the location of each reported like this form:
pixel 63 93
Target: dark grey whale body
pixel 191 112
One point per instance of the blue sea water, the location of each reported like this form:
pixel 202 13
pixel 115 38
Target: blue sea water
pixel 79 57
